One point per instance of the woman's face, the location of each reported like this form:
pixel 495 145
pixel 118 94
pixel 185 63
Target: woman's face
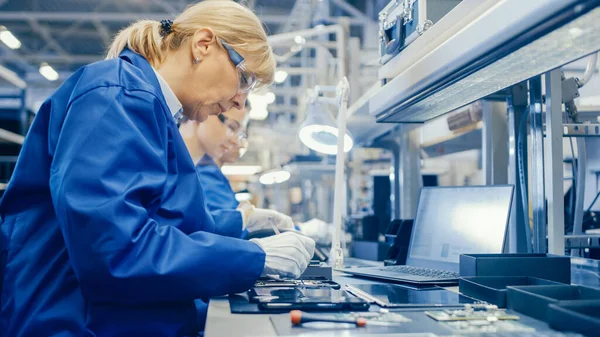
pixel 219 134
pixel 211 85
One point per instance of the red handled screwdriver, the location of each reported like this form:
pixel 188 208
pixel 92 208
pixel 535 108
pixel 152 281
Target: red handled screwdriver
pixel 298 317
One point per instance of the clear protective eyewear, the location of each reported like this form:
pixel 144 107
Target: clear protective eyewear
pixel 234 129
pixel 247 80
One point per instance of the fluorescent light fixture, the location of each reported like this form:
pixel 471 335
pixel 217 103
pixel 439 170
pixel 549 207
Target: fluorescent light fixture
pixel 517 59
pixel 277 176
pixel 9 39
pixel 280 76
pixel 240 170
pixel 243 196
pixel 319 133
pixel 48 72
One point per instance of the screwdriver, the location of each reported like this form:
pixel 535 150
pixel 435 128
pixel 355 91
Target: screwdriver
pixel 298 318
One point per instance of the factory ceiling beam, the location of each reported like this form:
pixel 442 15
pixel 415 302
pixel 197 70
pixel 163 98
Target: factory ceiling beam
pixel 105 35
pixel 47 37
pixel 12 16
pixel 36 58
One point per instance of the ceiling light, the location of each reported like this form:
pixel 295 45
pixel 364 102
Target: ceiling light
pixel 276 176
pixel 319 133
pixel 9 39
pixel 299 39
pixel 280 76
pixel 240 170
pixel 48 72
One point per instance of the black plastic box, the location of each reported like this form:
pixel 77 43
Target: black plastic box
pixel 545 266
pixel 492 289
pixel 578 316
pixel 534 300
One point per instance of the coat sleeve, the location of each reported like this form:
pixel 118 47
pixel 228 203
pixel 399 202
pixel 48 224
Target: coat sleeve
pixel 108 172
pixel 228 222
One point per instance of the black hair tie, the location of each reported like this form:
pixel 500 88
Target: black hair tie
pixel 166 27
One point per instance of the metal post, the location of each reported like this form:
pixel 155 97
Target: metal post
pixel 494 138
pixel 538 198
pixel 554 163
pixel 410 171
pixel 23 114
pixel 519 236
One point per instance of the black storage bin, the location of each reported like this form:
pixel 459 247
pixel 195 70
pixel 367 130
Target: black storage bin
pixel 492 289
pixel 534 300
pixel 577 316
pixel 545 266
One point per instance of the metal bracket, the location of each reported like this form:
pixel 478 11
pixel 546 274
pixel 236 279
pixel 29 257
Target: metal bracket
pixel 582 241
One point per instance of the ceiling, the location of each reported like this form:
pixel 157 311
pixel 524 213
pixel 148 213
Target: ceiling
pixel 68 34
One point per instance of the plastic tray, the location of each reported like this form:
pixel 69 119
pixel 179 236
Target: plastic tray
pixel 576 316
pixel 492 289
pixel 545 266
pixel 534 300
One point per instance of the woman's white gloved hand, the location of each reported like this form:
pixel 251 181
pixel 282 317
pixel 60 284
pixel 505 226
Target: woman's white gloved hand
pixel 288 254
pixel 260 218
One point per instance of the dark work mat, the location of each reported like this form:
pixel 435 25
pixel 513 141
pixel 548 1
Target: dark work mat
pixel 239 305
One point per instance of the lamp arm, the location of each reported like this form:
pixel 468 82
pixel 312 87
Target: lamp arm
pixel 337 255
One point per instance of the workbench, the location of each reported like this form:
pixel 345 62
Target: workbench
pixel 221 322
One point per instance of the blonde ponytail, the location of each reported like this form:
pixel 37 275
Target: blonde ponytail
pixel 142 37
pixel 237 25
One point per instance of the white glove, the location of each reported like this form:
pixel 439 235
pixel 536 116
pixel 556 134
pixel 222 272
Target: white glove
pixel 288 254
pixel 260 218
pixel 317 229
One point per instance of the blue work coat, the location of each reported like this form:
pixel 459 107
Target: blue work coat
pixel 104 219
pixel 220 198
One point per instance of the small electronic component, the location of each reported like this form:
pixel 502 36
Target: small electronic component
pixel 472 312
pixel 488 326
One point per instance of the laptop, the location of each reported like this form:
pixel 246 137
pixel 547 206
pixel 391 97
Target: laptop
pixel 449 221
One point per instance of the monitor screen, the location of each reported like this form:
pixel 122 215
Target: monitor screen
pixel 451 221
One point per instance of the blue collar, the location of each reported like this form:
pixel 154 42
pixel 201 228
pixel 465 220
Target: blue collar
pixel 143 64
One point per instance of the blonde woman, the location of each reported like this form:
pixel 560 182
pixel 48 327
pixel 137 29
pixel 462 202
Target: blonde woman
pixel 105 230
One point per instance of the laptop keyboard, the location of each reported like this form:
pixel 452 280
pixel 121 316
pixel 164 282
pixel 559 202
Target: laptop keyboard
pixel 425 272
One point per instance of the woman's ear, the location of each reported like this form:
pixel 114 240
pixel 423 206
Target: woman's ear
pixel 203 40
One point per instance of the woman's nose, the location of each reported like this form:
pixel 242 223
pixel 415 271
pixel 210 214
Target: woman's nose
pixel 239 101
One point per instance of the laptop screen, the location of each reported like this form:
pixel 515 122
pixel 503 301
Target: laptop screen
pixel 451 221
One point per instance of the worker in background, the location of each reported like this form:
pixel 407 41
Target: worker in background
pixel 211 143
pixel 104 231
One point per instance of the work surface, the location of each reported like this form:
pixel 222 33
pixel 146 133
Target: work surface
pixel 221 322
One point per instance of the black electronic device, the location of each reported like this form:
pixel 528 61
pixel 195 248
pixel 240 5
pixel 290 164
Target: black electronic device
pixel 308 299
pixel 449 221
pixel 312 283
pixel 399 250
pixel 395 296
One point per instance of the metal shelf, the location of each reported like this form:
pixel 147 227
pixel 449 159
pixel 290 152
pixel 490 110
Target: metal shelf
pixel 511 42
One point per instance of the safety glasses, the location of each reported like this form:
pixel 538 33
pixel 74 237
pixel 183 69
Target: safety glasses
pixel 247 79
pixel 234 128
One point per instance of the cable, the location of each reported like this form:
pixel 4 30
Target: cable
pixel 573 184
pixel 580 190
pixel 589 70
pixel 523 184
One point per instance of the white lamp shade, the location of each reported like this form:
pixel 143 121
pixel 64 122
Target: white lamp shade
pixel 319 133
pixel 274 177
